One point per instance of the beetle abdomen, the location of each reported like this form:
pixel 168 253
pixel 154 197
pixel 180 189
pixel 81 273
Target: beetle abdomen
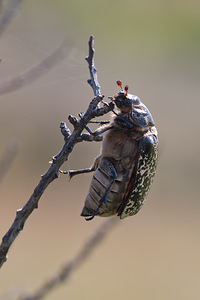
pixel 104 178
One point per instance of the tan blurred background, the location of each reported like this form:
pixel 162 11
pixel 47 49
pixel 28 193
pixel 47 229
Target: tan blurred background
pixel 153 46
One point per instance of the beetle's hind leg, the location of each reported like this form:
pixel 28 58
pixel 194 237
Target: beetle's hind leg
pixel 93 168
pixel 101 201
pixel 101 185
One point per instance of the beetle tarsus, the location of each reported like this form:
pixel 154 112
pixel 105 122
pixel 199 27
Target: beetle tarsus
pixel 63 172
pixel 102 200
pixel 90 219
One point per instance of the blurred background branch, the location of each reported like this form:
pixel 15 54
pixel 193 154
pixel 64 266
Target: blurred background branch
pixel 71 266
pixel 34 73
pixel 7 13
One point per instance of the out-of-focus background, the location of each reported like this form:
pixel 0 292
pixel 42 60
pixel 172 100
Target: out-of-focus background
pixel 153 46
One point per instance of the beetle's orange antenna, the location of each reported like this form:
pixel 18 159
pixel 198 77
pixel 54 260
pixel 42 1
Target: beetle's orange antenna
pixel 119 83
pixel 126 89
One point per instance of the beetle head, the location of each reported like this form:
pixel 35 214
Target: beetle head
pixel 131 104
pixel 122 99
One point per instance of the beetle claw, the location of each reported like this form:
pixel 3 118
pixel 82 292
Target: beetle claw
pixel 90 219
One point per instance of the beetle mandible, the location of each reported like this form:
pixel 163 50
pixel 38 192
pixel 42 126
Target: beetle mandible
pixel 125 168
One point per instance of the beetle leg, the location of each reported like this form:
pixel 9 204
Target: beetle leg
pixel 96 132
pixel 100 122
pixel 99 130
pixel 108 171
pixel 101 201
pixel 93 168
pixel 102 130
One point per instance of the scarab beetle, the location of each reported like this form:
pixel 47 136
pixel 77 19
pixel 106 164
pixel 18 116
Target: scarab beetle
pixel 124 171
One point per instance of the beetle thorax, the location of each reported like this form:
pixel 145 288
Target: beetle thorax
pixel 135 132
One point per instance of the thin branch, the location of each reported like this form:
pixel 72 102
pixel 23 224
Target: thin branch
pixel 71 266
pixel 93 71
pixel 51 174
pixel 7 15
pixel 32 74
pixel 8 157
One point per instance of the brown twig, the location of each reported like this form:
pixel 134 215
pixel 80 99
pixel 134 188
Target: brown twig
pixel 71 266
pixel 57 161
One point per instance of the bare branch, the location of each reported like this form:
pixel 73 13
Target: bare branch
pixel 52 173
pixel 69 267
pixel 7 15
pixel 93 71
pixel 8 157
pixel 32 74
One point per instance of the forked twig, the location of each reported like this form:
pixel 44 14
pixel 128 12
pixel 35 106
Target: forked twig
pixel 52 173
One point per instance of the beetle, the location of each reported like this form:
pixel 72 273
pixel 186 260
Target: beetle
pixel 125 168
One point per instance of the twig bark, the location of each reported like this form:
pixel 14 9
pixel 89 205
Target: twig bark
pixel 93 71
pixel 71 266
pixel 57 161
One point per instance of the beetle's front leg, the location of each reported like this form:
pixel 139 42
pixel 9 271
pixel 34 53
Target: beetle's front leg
pixel 93 168
pixel 99 130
